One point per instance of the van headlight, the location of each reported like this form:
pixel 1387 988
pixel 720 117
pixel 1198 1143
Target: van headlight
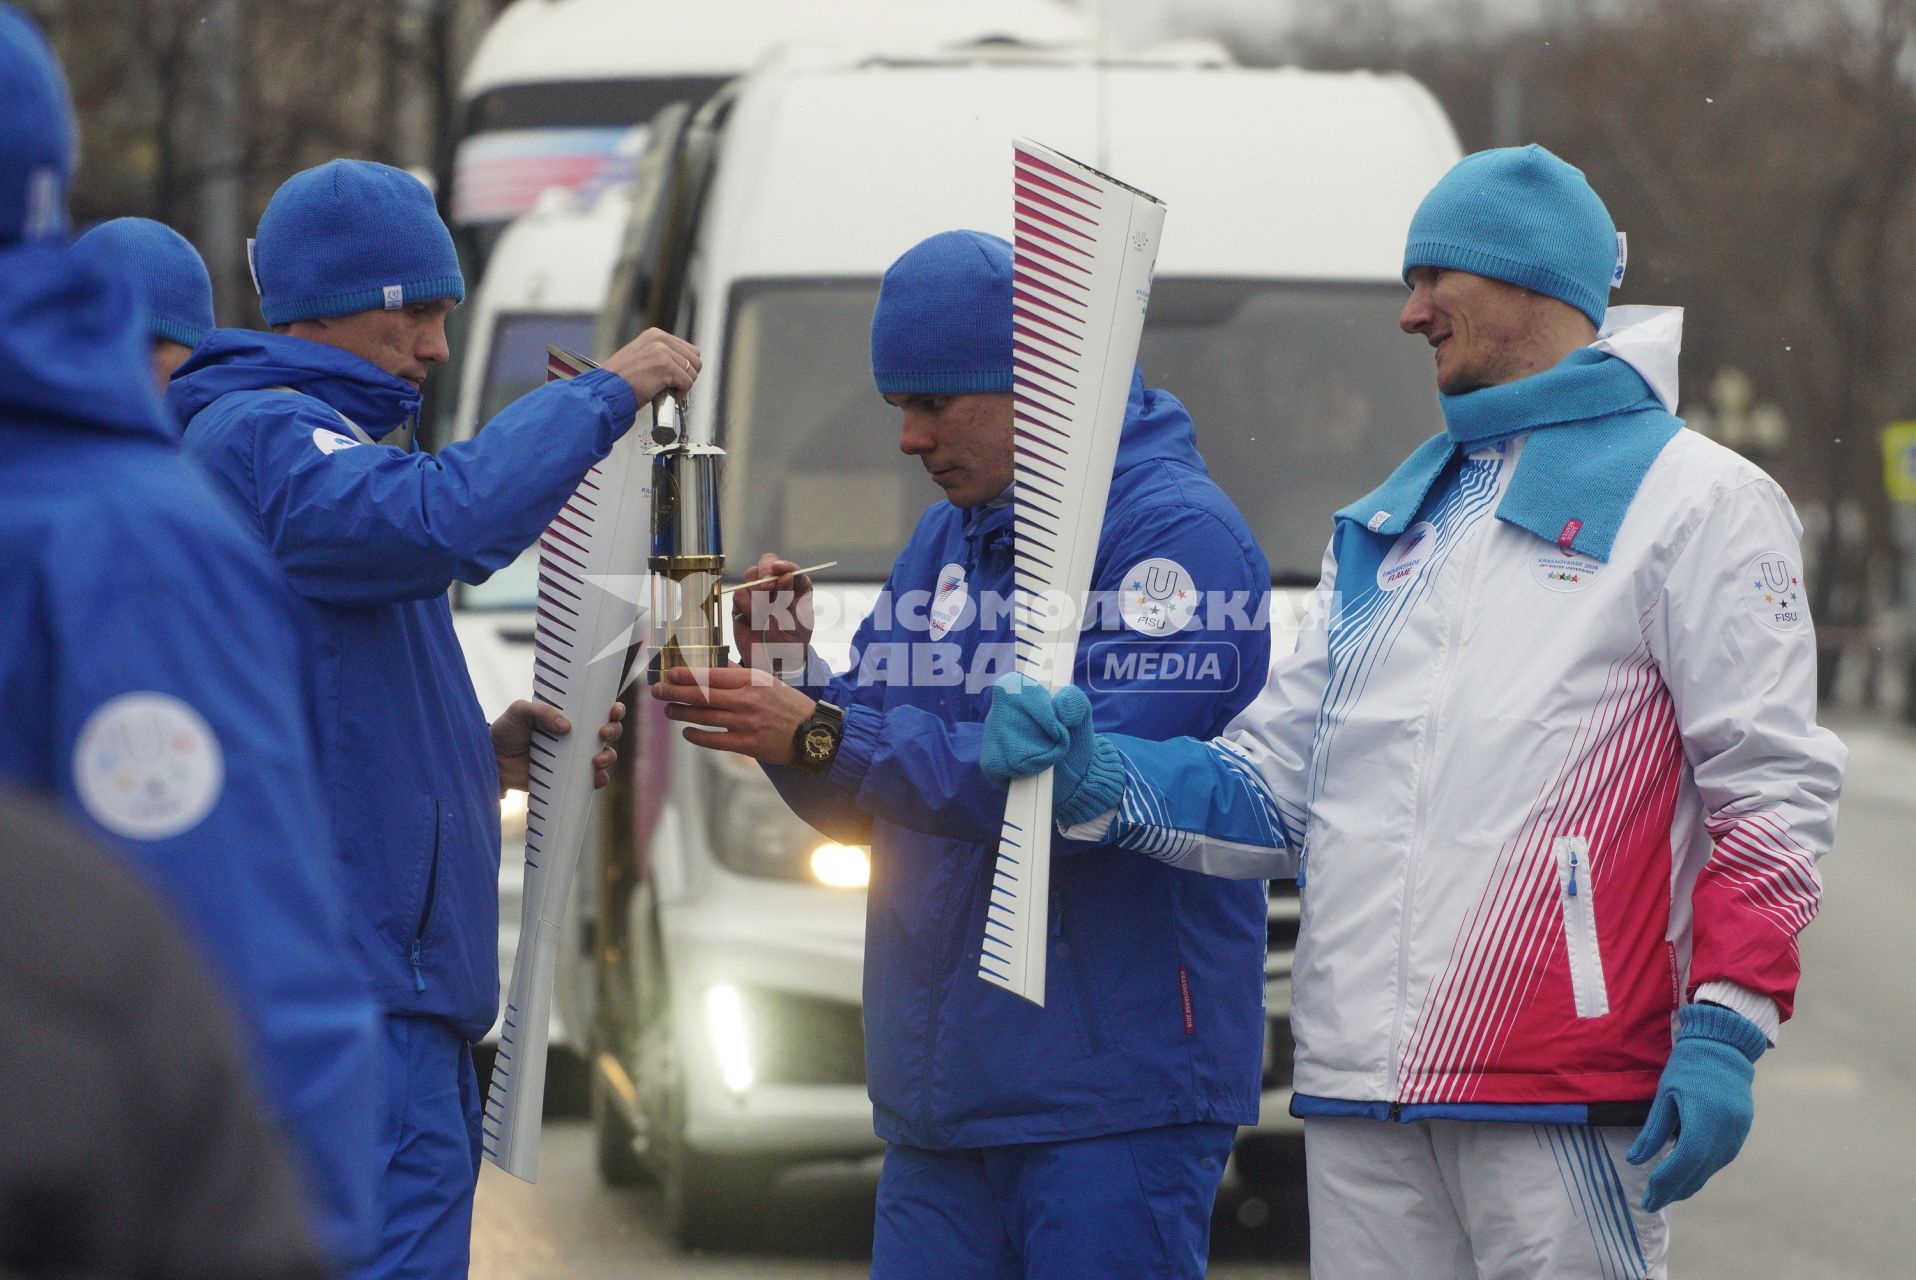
pixel 755 834
pixel 842 866
pixel 512 816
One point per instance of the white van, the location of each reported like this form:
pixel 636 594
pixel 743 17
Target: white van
pixel 556 86
pixel 725 999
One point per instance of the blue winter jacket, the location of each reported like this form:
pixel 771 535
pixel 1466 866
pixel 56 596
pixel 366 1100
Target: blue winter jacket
pixel 1154 989
pixel 150 678
pixel 370 537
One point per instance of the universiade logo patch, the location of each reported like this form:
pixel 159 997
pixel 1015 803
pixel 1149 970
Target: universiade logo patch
pixel 1774 592
pixel 1406 556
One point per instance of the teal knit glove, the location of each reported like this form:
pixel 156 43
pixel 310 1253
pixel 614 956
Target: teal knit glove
pixel 1703 1099
pixel 1028 731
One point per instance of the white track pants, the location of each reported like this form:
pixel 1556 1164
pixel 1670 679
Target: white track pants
pixel 1472 1200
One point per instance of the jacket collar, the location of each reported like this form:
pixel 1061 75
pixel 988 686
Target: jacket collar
pixel 1595 424
pixel 242 360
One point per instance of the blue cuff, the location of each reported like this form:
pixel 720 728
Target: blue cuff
pixel 1099 790
pixel 1726 1026
pixel 855 749
pixel 620 400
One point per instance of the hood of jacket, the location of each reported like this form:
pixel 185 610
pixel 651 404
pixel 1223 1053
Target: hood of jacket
pixel 232 360
pixel 1157 428
pixel 1649 340
pixel 73 347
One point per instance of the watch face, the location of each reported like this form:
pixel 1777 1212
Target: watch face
pixel 819 743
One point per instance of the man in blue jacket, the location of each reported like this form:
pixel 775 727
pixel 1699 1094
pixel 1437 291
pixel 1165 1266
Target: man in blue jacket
pixel 162 266
pixel 1087 1137
pixel 149 670
pixel 356 275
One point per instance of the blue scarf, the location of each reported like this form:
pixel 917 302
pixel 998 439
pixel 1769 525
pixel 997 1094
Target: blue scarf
pixel 1597 429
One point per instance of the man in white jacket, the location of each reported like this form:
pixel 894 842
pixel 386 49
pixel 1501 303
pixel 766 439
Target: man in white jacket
pixel 1545 765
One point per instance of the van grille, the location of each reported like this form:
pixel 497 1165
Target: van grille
pixel 801 1039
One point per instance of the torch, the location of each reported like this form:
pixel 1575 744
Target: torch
pixel 687 549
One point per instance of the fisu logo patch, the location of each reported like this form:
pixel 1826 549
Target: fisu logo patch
pixel 1158 597
pixel 1773 589
pixel 147 766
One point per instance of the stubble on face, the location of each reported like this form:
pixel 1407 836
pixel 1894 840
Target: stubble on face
pixel 964 442
pixel 1486 332
pixel 405 342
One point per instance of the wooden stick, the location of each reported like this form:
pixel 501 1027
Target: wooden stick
pixel 789 573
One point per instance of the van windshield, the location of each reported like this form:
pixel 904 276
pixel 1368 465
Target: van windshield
pixel 1305 396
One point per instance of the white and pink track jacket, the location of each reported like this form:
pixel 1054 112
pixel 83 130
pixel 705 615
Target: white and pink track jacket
pixel 1535 800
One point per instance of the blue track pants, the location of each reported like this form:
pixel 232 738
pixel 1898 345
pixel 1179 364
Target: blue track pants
pixel 1116 1207
pixel 428 1152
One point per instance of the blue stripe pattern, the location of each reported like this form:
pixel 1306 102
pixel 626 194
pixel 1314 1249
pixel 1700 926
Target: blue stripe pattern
pixel 1595 1190
pixel 1220 802
pixel 1365 628
pixel 1144 818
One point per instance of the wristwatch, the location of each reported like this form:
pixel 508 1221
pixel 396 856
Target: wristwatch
pixel 815 742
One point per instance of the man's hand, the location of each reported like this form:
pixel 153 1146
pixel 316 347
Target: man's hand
pixel 656 361
pixel 742 709
pixel 1703 1100
pixel 512 741
pixel 772 623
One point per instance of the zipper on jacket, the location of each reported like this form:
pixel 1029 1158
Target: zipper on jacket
pixel 1587 984
pixel 1433 714
pixel 425 907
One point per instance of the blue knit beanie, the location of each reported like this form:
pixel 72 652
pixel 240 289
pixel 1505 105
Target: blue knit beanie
pixel 943 321
pixel 164 267
pixel 351 235
pixel 37 142
pixel 1521 215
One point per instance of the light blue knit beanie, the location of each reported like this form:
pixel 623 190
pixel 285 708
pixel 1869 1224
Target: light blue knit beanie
pixel 38 146
pixel 164 267
pixel 351 235
pixel 943 321
pixel 1520 215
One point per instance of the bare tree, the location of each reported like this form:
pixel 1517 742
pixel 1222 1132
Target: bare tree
pixel 1762 154
pixel 193 111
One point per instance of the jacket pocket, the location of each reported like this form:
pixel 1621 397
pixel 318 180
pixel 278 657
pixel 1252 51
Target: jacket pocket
pixel 426 896
pixel 1577 891
pixel 1084 991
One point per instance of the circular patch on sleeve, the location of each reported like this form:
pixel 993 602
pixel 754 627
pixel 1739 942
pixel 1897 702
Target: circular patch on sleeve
pixel 331 441
pixel 1406 556
pixel 1772 587
pixel 948 599
pixel 147 766
pixel 1158 597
